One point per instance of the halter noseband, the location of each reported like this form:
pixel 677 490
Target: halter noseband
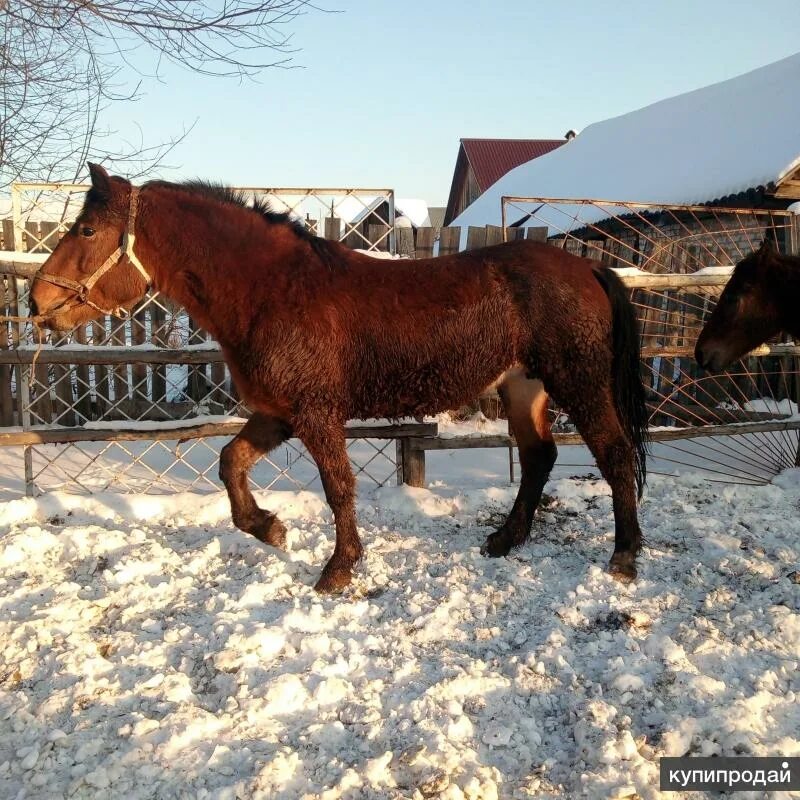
pixel 82 288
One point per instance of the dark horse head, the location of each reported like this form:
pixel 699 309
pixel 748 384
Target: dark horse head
pixel 92 270
pixel 751 310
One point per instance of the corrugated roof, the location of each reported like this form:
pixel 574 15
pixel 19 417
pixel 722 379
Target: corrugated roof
pixel 490 159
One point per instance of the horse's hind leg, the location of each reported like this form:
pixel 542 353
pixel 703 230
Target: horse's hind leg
pixel 260 434
pixel 525 402
pixel 599 425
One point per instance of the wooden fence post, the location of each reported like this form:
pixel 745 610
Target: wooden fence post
pixel 476 237
pixel 405 241
pixel 449 241
pixel 333 228
pixel 424 245
pixel 412 463
pixel 494 235
pixel 158 337
pixel 377 236
pixel 537 233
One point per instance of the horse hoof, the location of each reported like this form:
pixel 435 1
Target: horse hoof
pixel 622 567
pixel 497 544
pixel 270 530
pixel 334 581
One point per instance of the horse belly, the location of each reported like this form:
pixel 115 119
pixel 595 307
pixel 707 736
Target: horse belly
pixel 434 374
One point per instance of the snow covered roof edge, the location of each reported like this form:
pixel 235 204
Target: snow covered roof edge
pixel 692 148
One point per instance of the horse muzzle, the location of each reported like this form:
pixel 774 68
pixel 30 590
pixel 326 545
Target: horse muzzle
pixel 710 358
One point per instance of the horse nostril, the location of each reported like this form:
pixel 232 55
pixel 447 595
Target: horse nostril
pixel 33 308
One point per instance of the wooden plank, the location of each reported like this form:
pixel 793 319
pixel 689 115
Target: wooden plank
pixel 378 236
pixel 48 231
pixel 197 384
pixel 449 241
pixel 476 237
pixel 99 375
pixel 14 264
pixel 119 374
pixel 536 233
pixel 412 464
pixel 464 442
pixel 158 337
pixel 83 402
pixel 420 431
pixel 333 228
pixel 404 238
pixel 42 405
pixel 218 373
pixel 115 355
pixel 656 435
pixel 7 232
pixel 111 355
pixel 138 379
pixel 424 243
pixel 31 237
pixel 63 411
pixel 494 235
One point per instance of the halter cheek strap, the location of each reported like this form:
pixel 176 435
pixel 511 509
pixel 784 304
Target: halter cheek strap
pixel 82 288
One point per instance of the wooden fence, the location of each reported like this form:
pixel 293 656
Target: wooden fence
pixel 160 367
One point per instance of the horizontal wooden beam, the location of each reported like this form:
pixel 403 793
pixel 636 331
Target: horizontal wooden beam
pixel 689 281
pixel 102 354
pixel 669 351
pixel 25 265
pixel 656 435
pixel 421 431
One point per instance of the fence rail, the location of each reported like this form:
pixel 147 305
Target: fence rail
pixel 103 405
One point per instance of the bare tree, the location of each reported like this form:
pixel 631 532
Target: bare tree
pixel 62 62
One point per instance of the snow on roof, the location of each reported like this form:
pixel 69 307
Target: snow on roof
pixel 354 208
pixel 697 147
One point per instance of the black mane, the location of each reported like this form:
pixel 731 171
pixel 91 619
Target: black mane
pixel 236 197
pixel 261 206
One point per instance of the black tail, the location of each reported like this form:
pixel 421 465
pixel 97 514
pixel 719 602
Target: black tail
pixel 629 394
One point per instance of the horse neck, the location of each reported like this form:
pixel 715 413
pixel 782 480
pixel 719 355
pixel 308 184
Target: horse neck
pixel 786 288
pixel 216 260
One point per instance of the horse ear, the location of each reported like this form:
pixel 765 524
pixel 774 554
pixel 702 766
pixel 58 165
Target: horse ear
pixel 101 181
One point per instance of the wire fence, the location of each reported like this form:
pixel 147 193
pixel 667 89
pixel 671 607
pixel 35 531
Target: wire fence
pixel 676 259
pixel 142 404
pixel 152 372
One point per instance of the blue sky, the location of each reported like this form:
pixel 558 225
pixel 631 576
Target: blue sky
pixel 383 91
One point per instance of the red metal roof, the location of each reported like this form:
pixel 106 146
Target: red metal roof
pixel 490 159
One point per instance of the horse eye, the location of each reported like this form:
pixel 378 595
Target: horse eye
pixel 87 231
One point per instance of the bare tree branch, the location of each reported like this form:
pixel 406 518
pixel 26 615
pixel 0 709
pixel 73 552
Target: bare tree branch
pixel 64 62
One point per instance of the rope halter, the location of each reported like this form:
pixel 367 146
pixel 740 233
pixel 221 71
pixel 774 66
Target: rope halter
pixel 82 288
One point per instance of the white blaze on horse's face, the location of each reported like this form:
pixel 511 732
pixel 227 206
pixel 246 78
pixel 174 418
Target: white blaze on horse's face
pixel 94 236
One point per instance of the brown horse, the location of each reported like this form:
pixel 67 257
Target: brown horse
pixel 761 299
pixel 316 334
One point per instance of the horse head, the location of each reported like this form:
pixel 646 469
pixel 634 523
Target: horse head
pixel 93 270
pixel 747 313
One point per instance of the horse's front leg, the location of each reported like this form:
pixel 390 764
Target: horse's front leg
pixel 327 446
pixel 260 434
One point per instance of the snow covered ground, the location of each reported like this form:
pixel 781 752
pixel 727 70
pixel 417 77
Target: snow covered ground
pixel 148 649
